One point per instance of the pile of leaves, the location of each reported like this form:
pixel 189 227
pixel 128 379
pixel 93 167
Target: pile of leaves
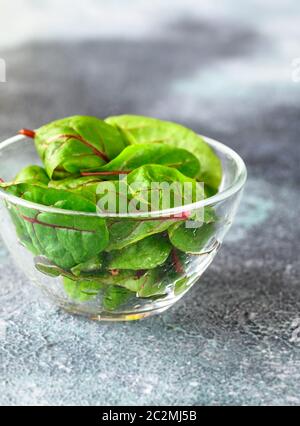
pixel 119 257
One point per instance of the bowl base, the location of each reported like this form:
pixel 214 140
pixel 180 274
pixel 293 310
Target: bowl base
pixel 118 316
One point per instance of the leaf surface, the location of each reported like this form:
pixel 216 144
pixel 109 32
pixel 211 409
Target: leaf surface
pixel 146 254
pixel 65 239
pixel 124 232
pixel 32 174
pixel 81 291
pixel 139 129
pixel 74 144
pixel 194 240
pixel 135 156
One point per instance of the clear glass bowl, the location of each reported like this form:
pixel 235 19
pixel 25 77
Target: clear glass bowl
pixel 125 295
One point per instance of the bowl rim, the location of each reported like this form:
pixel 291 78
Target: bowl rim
pixel 237 184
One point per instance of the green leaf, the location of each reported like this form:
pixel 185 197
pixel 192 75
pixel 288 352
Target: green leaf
pixel 141 188
pixel 140 283
pixel 124 278
pixel 51 197
pixel 191 240
pixel 82 271
pixel 146 254
pixel 143 283
pixel 78 143
pixel 135 156
pixel 138 129
pixel 148 188
pixel 65 239
pixel 81 291
pixel 43 265
pixel 182 285
pixel 151 284
pixel 114 297
pixel 124 232
pixel 32 174
pixel 194 240
pixel 83 186
pixel 91 266
pixel 21 230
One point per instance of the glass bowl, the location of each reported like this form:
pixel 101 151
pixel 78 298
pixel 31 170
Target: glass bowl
pixel 113 295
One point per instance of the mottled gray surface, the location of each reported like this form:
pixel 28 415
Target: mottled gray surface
pixel 235 338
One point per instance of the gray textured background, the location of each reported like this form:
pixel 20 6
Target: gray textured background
pixel 235 338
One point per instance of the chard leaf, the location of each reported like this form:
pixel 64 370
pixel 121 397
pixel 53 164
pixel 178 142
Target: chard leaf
pixel 65 239
pixel 139 195
pixel 47 268
pixel 140 283
pixel 191 240
pixel 74 144
pixel 182 285
pixel 143 283
pixel 138 129
pixel 151 285
pixel 124 232
pixel 114 297
pixel 135 156
pixel 83 186
pixel 74 183
pixel 51 197
pixel 140 186
pixel 21 230
pixel 32 174
pixel 81 291
pixel 91 266
pixel 146 254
